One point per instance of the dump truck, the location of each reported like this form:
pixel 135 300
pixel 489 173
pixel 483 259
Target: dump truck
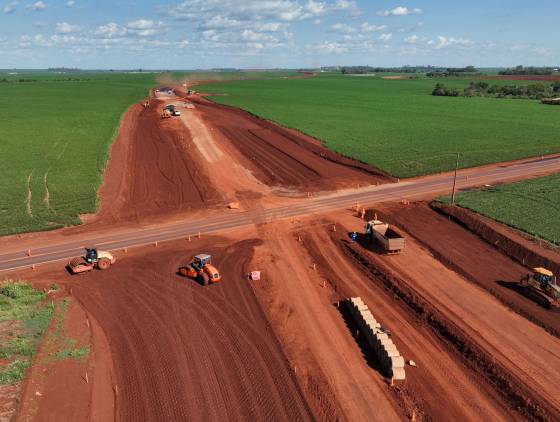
pixel 389 239
pixel 201 270
pixel 543 282
pixel 92 259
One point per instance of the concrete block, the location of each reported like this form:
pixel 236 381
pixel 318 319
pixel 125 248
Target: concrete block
pixel 399 374
pixel 397 362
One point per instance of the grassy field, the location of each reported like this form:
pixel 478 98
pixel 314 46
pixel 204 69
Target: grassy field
pixel 25 314
pixel 532 206
pixel 396 124
pixel 55 134
pixel 54 141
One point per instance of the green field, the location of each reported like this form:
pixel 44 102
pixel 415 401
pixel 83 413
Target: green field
pixel 54 143
pixel 396 124
pixel 532 206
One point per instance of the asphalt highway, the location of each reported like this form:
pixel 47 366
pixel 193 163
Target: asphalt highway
pixel 426 187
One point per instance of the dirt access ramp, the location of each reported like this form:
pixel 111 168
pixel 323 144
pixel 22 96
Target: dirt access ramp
pixel 283 157
pixel 475 259
pixel 440 387
pixel 182 351
pixel 154 170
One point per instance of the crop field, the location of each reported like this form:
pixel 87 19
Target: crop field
pixel 396 124
pixel 54 142
pixel 532 206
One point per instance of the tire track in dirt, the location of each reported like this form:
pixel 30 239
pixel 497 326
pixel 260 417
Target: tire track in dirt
pixel 440 387
pixel 154 170
pixel 187 352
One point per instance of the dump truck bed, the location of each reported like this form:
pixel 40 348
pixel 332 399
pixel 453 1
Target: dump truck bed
pixel 390 239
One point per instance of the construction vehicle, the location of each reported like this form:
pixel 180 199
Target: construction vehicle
pixel 201 270
pixel 92 259
pixel 389 239
pixel 543 282
pixel 165 114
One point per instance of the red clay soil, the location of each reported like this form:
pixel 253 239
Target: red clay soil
pixel 284 157
pixel 154 169
pixel 182 351
pixel 515 244
pixel 473 258
pixel 441 387
pixel 546 78
pixel 515 393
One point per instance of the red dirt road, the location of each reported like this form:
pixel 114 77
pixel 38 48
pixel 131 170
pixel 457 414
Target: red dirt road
pixel 441 387
pixel 187 352
pixel 472 257
pixel 154 169
pixel 283 157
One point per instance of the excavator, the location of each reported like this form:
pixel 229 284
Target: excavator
pixel 543 282
pixel 92 259
pixel 201 270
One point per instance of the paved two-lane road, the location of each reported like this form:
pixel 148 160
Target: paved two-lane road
pixel 411 189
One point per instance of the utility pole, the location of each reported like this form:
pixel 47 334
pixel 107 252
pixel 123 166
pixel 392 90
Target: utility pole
pixel 455 181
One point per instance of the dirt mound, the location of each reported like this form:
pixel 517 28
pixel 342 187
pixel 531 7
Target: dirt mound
pixel 187 352
pixel 154 169
pixel 285 157
pixel 471 257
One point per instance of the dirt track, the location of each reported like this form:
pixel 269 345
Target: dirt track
pixel 187 352
pixel 472 257
pixel 154 169
pixel 440 387
pixel 283 157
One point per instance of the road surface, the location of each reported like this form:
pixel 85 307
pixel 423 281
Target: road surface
pixel 425 187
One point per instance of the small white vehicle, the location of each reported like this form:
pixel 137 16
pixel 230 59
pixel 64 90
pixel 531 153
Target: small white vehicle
pixel 176 113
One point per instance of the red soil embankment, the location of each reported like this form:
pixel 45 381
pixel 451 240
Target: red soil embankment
pixel 473 258
pixel 285 157
pixel 513 388
pixel 154 169
pixel 182 351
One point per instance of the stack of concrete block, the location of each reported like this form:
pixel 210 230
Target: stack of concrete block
pixel 391 361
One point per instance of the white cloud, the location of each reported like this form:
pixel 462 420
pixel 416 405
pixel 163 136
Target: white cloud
pixel 343 28
pixel 439 42
pixel 400 11
pixel 37 6
pixel 10 7
pixel 70 3
pixel 366 27
pixel 66 28
pixel 110 30
pixel 141 24
pixel 385 37
pixel 328 47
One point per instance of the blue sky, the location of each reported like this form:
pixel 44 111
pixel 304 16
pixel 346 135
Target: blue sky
pixel 185 34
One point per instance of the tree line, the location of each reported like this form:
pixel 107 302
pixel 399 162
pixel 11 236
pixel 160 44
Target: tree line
pixel 531 70
pixel 484 89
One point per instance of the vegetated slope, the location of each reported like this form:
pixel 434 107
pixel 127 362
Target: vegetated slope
pixel 532 206
pixel 183 351
pixel 396 124
pixel 54 143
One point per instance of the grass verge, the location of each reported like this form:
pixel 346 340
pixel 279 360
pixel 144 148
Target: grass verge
pixel 532 206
